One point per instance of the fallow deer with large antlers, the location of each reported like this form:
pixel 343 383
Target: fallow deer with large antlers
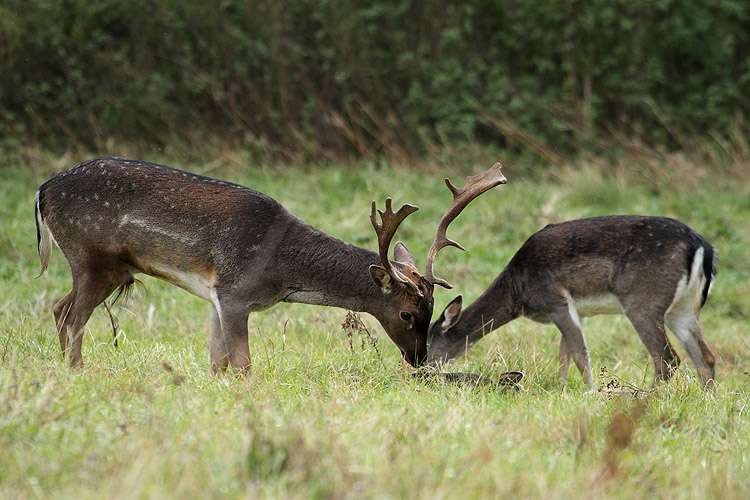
pixel 228 244
pixel 654 270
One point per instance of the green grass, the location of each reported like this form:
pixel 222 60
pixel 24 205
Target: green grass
pixel 320 418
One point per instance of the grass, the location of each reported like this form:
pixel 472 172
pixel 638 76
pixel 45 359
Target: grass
pixel 324 415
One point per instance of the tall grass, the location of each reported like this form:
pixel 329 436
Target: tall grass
pixel 327 415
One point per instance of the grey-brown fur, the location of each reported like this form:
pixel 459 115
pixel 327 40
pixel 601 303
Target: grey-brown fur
pixel 634 265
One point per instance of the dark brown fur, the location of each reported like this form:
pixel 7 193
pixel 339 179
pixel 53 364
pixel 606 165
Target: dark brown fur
pixel 231 245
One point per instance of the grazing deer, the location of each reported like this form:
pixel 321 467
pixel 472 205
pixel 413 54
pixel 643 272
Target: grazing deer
pixel 230 245
pixel 654 270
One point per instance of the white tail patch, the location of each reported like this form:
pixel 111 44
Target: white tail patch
pixel 690 287
pixel 684 308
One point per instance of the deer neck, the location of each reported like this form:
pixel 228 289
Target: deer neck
pixel 326 271
pixel 491 310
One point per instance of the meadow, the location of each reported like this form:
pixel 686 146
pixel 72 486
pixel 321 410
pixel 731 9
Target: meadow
pixel 331 413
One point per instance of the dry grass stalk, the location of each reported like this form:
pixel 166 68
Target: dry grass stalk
pixel 352 325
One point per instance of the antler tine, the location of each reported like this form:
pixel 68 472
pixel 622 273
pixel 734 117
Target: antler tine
pixel 475 186
pixel 385 231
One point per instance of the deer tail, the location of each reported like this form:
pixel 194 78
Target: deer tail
pixel 710 263
pixel 43 236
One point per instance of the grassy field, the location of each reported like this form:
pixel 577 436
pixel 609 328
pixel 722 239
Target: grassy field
pixel 328 415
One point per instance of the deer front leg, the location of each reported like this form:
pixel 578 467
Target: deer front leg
pixel 563 355
pixel 573 343
pixel 228 338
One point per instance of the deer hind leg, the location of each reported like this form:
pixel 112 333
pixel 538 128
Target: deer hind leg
pixel 61 311
pixel 649 325
pixel 74 310
pixel 686 327
pixel 228 337
pixel 573 343
pixel 564 355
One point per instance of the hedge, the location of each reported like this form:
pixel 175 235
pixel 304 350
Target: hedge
pixel 328 78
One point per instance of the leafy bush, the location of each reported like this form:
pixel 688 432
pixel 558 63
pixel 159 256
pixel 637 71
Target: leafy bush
pixel 327 78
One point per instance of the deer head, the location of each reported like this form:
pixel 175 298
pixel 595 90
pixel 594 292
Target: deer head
pixel 403 287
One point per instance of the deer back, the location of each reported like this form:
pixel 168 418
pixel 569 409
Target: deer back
pixel 157 219
pixel 611 254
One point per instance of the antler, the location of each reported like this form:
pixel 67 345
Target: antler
pixel 385 231
pixel 475 186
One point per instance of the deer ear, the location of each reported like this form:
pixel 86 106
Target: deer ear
pixel 451 314
pixel 402 254
pixel 381 278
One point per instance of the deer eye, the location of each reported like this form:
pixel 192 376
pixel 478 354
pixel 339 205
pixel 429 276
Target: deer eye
pixel 405 316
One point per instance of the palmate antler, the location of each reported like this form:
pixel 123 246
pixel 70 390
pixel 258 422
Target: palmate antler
pixel 475 186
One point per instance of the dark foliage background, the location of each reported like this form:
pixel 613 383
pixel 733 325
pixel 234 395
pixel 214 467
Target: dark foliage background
pixel 336 79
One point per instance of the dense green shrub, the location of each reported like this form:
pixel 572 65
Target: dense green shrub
pixel 334 77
